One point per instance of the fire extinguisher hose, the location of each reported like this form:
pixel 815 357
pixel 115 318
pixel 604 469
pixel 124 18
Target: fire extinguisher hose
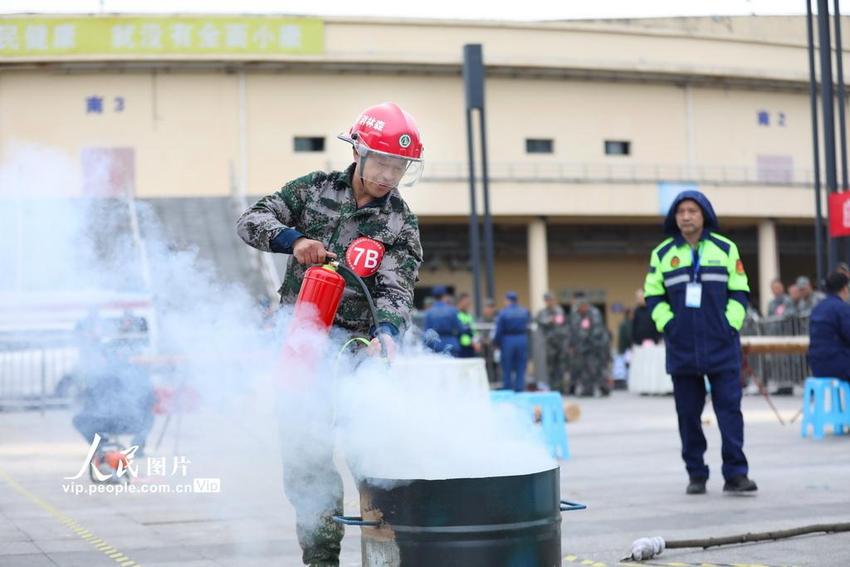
pixel 372 309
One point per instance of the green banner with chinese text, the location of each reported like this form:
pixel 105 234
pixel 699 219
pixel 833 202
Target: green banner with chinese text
pixel 25 36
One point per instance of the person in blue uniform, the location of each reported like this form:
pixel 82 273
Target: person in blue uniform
pixel 442 326
pixel 697 293
pixel 468 339
pixel 829 331
pixel 511 336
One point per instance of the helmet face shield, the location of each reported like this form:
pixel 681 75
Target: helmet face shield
pixel 386 169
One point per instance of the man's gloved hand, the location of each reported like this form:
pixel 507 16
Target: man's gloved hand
pixel 308 251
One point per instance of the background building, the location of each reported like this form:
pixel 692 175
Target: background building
pixel 593 127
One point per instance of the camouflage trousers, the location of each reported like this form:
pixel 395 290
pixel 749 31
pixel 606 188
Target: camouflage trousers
pixel 556 366
pixel 310 479
pixel 588 373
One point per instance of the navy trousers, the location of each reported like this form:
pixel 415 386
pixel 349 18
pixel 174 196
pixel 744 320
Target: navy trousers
pixel 689 391
pixel 514 360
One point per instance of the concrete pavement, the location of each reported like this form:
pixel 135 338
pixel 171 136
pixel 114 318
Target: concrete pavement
pixel 625 467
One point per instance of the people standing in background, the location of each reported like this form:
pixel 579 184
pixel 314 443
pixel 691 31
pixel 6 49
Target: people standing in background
pixel 643 327
pixel 794 295
pixel 843 268
pixel 620 368
pixel 468 339
pixel 590 347
pixel 624 333
pixel 442 326
pixel 781 304
pixel 511 337
pixel 829 331
pixel 808 297
pixel 553 324
pixel 488 317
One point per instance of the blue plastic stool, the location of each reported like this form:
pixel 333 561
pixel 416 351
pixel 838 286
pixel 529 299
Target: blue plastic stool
pixel 825 402
pixel 501 396
pixel 552 421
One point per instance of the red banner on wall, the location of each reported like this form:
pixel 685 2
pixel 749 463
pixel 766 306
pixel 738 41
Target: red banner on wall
pixel 839 214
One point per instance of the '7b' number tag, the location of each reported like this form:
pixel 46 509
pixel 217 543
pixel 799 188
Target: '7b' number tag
pixel 364 256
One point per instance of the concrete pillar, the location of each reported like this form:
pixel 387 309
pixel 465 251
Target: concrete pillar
pixel 768 261
pixel 538 264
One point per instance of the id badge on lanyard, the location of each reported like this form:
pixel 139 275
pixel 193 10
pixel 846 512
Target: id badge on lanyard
pixel 693 293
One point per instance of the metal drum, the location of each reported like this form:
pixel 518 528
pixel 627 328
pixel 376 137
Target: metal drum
pixel 506 521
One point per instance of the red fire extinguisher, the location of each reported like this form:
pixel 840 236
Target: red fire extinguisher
pixel 318 300
pixel 315 308
pixel 319 297
pixel 323 286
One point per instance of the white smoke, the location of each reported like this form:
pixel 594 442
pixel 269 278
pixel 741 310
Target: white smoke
pixel 421 417
pixel 428 417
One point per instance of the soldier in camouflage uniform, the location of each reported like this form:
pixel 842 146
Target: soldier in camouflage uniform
pixel 589 348
pixel 780 305
pixel 316 218
pixel 553 325
pixel 808 297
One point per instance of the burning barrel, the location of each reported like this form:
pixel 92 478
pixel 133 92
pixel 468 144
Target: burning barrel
pixel 509 521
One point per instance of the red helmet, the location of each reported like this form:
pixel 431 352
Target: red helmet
pixel 387 130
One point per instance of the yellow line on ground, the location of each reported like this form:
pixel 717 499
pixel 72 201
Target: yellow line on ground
pixel 84 534
pixel 681 564
pixel 590 562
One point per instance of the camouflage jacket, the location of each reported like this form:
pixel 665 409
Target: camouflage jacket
pixel 322 207
pixel 781 306
pixel 553 324
pixel 806 304
pixel 589 336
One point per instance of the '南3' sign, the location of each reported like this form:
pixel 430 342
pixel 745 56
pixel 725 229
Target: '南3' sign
pixel 97 104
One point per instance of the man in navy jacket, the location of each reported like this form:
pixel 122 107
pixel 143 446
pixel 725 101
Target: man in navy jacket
pixel 442 326
pixel 697 293
pixel 829 331
pixel 511 336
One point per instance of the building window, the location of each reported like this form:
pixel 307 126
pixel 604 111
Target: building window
pixel 617 148
pixel 539 145
pixel 309 144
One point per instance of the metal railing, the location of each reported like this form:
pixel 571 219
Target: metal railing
pixel 31 375
pixel 624 172
pixel 782 371
pixel 616 172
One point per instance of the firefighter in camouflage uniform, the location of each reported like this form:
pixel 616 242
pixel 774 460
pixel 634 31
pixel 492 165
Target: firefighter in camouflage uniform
pixel 316 218
pixel 590 352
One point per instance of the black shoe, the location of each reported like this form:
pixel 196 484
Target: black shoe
pixel 740 484
pixel 696 486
